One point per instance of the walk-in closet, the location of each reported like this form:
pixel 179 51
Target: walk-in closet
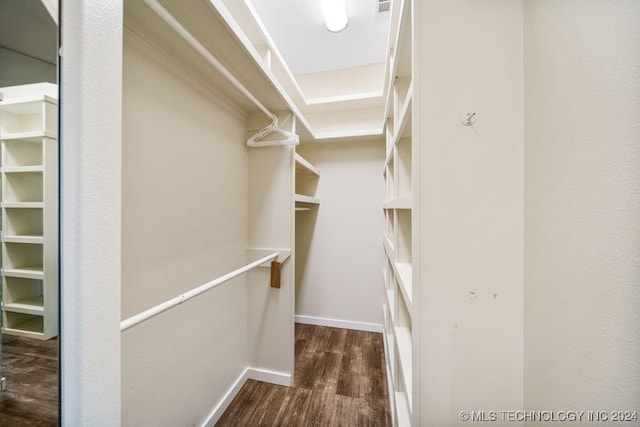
pixel 29 214
pixel 411 213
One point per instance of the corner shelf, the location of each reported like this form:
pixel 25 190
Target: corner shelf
pixel 29 170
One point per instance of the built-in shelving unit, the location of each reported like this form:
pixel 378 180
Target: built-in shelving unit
pixel 29 168
pixel 398 212
pixel 306 182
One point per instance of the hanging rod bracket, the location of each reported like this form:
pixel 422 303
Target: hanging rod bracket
pixel 254 253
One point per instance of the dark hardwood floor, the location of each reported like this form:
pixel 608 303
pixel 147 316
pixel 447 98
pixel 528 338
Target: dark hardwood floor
pixel 339 380
pixel 31 370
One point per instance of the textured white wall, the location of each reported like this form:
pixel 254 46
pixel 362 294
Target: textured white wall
pixel 339 245
pixel 90 212
pixel 582 315
pixel 470 209
pixel 184 223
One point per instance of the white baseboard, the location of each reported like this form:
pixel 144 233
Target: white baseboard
pixel 334 323
pixel 217 412
pixel 263 375
pixel 280 378
pixel 273 377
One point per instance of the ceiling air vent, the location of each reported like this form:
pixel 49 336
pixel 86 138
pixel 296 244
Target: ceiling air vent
pixel 383 6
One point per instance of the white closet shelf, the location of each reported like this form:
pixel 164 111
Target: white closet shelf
pixel 395 63
pixel 402 202
pixel 28 131
pixel 350 101
pixel 31 328
pixel 23 205
pixel 398 207
pixel 21 169
pixel 33 306
pixel 26 105
pixel 403 43
pixel 386 313
pixel 30 272
pixel 352 133
pixel 300 198
pixel 404 121
pixel 391 301
pixel 402 409
pixel 30 136
pixel 303 166
pixel 388 247
pixel 33 238
pixel 389 158
pixel 403 341
pixel 404 274
pixel 391 345
pixel 388 108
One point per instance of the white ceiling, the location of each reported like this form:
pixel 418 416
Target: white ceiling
pixel 297 28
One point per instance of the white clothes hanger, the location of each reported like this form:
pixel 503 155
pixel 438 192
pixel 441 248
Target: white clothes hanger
pixel 285 137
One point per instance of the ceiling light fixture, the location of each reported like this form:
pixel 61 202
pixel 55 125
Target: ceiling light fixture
pixel 335 14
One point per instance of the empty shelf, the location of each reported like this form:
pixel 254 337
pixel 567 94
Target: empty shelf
pixel 32 328
pixel 402 202
pixel 37 239
pixel 404 273
pixel 31 272
pixel 403 341
pixel 27 306
pixel 302 165
pixel 299 198
pixel 23 205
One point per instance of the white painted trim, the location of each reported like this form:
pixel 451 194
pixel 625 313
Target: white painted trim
pixel 267 376
pixel 345 98
pixel 349 133
pixel 233 391
pixel 273 377
pixel 335 323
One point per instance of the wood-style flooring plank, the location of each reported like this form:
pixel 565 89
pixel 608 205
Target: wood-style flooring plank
pixel 339 380
pixel 293 410
pixel 31 370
